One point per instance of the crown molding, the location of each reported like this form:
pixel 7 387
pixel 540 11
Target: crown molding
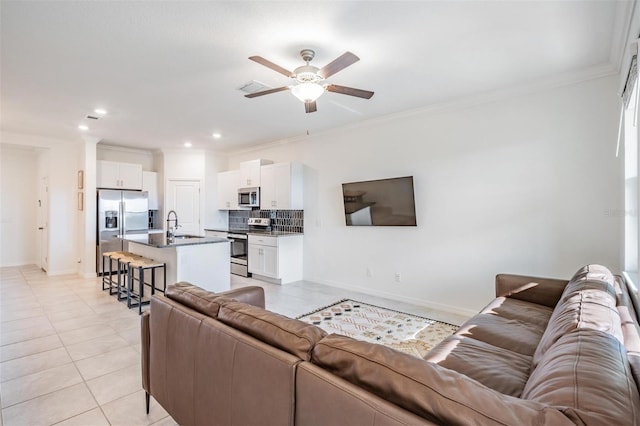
pixel 107 147
pixel 537 86
pixel 17 138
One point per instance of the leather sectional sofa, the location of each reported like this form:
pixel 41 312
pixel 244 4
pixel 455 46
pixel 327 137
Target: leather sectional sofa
pixel 545 351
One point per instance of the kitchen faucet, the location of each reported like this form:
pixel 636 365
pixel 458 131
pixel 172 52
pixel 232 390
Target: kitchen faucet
pixel 171 230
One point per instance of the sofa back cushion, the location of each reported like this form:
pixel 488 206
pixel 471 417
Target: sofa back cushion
pixel 593 272
pixel 290 335
pixel 204 372
pixel 196 298
pixel 439 395
pixel 587 372
pixel 588 302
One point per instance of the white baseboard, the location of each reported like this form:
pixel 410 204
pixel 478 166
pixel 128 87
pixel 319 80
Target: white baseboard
pixel 62 272
pixel 414 301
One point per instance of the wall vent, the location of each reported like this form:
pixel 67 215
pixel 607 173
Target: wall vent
pixel 254 86
pixel 92 117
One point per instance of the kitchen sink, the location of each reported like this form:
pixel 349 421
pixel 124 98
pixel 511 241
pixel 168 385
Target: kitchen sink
pixel 185 237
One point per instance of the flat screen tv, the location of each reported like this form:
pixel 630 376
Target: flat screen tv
pixel 382 202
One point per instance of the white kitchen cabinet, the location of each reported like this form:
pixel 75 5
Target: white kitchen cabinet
pixel 150 184
pixel 278 258
pixel 282 186
pixel 250 172
pixel 115 175
pixel 228 190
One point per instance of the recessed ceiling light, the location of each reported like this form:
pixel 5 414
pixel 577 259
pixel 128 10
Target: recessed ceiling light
pixel 216 135
pixel 83 127
pixel 187 144
pixel 100 111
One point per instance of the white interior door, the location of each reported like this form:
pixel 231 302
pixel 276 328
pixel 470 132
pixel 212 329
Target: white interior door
pixel 183 196
pixel 43 223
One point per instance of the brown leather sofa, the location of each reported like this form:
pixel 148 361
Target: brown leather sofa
pixel 545 351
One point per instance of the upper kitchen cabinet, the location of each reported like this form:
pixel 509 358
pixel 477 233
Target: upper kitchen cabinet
pixel 250 172
pixel 228 190
pixel 281 187
pixel 111 174
pixel 150 184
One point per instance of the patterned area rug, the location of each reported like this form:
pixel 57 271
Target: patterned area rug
pixel 404 332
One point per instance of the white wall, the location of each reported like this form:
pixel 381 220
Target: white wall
pixel 521 185
pixel 60 162
pixel 18 205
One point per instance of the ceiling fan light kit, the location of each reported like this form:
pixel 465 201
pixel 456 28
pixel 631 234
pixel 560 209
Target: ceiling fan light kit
pixel 307 92
pixel 308 79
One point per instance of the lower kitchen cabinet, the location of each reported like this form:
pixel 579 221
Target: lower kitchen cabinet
pixel 278 258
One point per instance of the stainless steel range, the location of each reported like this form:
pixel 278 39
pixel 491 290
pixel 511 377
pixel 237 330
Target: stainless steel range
pixel 240 244
pixel 239 253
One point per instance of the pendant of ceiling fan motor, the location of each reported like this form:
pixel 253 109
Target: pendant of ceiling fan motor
pixel 307 73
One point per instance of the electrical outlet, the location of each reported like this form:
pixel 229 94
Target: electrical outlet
pixel 398 277
pixel 368 272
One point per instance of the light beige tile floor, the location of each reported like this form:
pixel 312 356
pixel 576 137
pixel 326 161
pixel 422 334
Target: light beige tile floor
pixel 70 353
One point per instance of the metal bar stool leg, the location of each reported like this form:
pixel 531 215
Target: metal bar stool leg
pixel 112 284
pixel 122 290
pixel 132 277
pixel 141 286
pixel 104 273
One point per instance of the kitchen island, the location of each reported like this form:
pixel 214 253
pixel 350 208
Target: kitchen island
pixel 202 261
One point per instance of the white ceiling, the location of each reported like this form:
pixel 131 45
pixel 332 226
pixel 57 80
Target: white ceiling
pixel 168 72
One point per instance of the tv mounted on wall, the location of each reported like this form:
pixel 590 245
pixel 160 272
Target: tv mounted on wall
pixel 382 202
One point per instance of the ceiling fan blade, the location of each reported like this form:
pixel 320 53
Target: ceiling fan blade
pixel 338 64
pixel 269 64
pixel 310 107
pixel 267 92
pixel 349 91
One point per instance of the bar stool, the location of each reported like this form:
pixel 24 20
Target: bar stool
pixel 108 283
pixel 142 264
pixel 106 279
pixel 123 258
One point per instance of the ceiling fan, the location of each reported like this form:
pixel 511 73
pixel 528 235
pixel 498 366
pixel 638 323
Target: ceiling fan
pixel 309 79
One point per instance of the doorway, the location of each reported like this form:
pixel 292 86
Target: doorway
pixel 183 196
pixel 43 223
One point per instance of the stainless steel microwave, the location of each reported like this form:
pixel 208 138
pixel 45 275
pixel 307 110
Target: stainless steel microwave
pixel 249 197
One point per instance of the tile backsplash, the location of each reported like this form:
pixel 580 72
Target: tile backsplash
pixel 281 220
pixel 154 219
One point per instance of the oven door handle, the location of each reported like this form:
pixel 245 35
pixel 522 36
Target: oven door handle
pixel 238 236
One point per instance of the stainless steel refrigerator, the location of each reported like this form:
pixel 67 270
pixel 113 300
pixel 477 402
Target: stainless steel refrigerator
pixel 120 213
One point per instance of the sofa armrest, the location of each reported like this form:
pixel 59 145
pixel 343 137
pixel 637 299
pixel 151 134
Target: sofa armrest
pixel 252 295
pixel 542 291
pixel 146 341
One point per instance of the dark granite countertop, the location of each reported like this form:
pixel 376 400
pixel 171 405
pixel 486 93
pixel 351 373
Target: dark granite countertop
pixel 161 240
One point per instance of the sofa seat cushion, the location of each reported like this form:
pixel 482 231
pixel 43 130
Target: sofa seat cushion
pixel 586 374
pixel 196 298
pixel 519 310
pixel 290 335
pixel 497 368
pixel 438 394
pixel 506 333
